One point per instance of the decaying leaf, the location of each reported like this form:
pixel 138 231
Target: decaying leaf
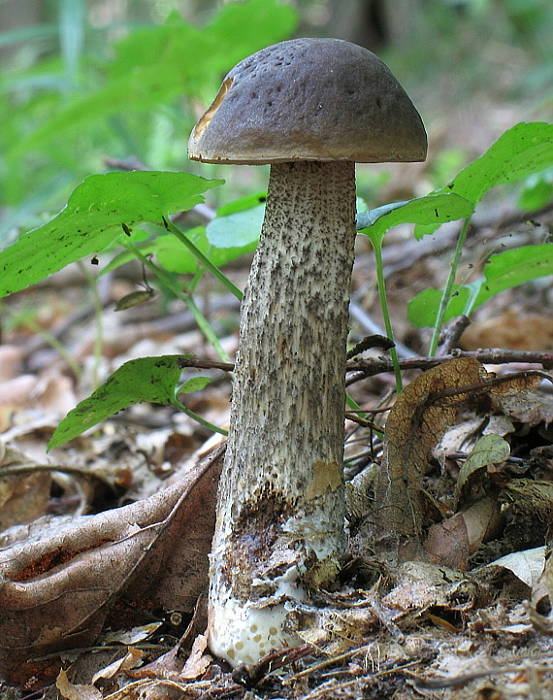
pixel 452 541
pixel 527 565
pixel 131 659
pixel 57 591
pixel 421 585
pixel 419 417
pixel 73 691
pixel 198 661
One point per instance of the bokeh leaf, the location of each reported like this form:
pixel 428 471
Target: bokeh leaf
pixel 241 228
pixel 156 64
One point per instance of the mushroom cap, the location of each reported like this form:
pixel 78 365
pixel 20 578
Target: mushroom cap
pixel 309 99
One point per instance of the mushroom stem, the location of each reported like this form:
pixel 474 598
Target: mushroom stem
pixel 280 517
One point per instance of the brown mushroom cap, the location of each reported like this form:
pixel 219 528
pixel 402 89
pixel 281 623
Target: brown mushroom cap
pixel 309 99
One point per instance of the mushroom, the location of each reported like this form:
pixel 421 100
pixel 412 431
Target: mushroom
pixel 310 108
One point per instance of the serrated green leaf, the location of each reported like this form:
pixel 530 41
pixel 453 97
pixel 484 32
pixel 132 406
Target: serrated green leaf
pixel 520 151
pixel 524 149
pixel 92 219
pixel 423 210
pixel 503 271
pixel 151 379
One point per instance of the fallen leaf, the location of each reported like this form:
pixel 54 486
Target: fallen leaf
pixel 131 659
pixel 418 418
pixel 198 661
pixel 56 592
pixel 527 565
pixel 76 692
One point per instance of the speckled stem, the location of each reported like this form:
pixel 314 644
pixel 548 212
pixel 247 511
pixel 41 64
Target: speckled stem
pixel 280 520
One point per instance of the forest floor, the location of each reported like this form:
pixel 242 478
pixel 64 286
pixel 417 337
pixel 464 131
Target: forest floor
pixel 470 619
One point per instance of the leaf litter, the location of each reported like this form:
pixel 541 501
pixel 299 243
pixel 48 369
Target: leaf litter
pixel 401 624
pixel 466 614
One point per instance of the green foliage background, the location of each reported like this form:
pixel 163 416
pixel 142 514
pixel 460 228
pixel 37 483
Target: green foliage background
pixel 78 87
pixel 138 95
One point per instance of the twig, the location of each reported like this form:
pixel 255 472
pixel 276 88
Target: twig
pixel 451 334
pixel 367 323
pixel 492 356
pixel 454 681
pixel 11 469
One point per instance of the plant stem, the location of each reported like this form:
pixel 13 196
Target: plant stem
pixel 200 319
pixel 446 294
pixel 377 248
pixel 51 340
pixel 178 404
pixel 205 327
pixel 205 261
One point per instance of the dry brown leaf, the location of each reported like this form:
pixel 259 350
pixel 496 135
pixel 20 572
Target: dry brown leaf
pixel 131 659
pixel 421 585
pixel 416 422
pixel 10 360
pixel 56 592
pixel 454 540
pixel 23 498
pixel 76 692
pixel 198 661
pixel 512 330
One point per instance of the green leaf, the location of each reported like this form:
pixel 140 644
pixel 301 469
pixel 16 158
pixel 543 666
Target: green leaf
pixel 194 384
pixel 172 255
pixel 235 230
pixel 490 449
pixel 92 219
pixel 248 202
pixel 502 271
pixel 537 192
pixel 151 379
pixel 524 149
pixel 433 208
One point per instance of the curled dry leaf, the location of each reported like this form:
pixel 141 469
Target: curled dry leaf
pixel 56 592
pixel 419 417
pixel 527 565
pixel 198 661
pixel 452 541
pixel 131 659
